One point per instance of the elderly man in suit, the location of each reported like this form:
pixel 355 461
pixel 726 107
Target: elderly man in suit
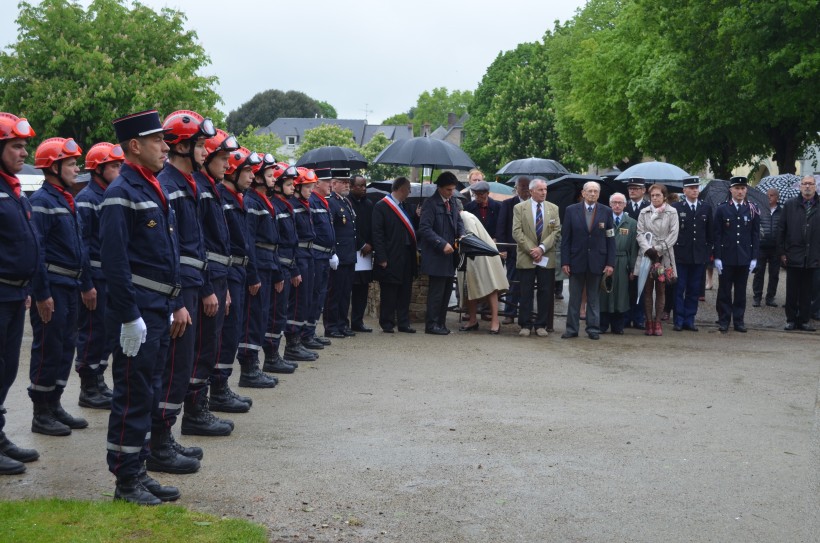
pixel 535 229
pixel 439 227
pixel 587 252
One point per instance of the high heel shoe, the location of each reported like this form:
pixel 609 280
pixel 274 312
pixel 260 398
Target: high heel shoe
pixel 494 332
pixel 471 328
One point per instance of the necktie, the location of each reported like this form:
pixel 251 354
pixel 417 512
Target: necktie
pixel 447 205
pixel 539 221
pixel 694 208
pixel 634 207
pixel 617 221
pixel 589 209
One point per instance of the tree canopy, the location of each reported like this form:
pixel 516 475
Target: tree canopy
pixel 73 70
pixel 371 150
pixel 267 106
pixel 261 143
pixel 433 107
pixel 323 135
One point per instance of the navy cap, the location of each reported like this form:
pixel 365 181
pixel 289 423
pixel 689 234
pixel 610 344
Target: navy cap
pixel 137 125
pixel 636 181
pixel 738 181
pixel 691 181
pixel 480 186
pixel 332 173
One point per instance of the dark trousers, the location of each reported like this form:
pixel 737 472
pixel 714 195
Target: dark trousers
pixel 255 319
pixel 300 297
pixel 438 299
pixel 799 294
pixel 208 332
pixel 687 291
pixel 12 317
pixel 614 319
pixel 277 315
pixel 93 346
pixel 337 304
pixel 52 346
pixel 231 328
pixel 545 279
pixel 767 257
pixel 635 316
pixel 577 282
pixel 731 298
pixel 394 308
pixel 137 388
pixel 318 295
pixel 358 297
pixel 514 292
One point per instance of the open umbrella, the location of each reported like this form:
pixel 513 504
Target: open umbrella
pixel 566 190
pixel 425 152
pixel 333 156
pixel 656 172
pixel 716 192
pixel 785 185
pixel 533 166
pixel 374 194
pixel 500 188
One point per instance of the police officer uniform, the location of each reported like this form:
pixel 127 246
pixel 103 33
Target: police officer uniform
pixel 341 279
pixel 322 249
pixel 363 208
pixel 692 252
pixel 635 316
pixel 736 238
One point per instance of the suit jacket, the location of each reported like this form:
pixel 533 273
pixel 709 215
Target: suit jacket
pixel 437 228
pixel 490 224
pixel 503 230
pixel 737 234
pixel 587 250
pixel 392 243
pixel 523 231
pixel 799 233
pixel 634 214
pixel 695 232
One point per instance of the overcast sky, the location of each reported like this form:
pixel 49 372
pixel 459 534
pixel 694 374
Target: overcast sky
pixel 375 55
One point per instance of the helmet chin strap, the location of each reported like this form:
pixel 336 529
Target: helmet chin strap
pixel 195 166
pixel 59 175
pixel 98 175
pixel 3 164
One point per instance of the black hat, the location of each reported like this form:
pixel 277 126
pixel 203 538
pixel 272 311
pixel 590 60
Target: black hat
pixel 636 181
pixel 738 180
pixel 332 173
pixel 137 125
pixel 446 179
pixel 691 181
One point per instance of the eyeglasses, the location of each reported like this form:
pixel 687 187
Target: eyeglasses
pixel 808 184
pixel 22 129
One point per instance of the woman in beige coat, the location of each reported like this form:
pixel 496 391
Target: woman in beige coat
pixel 657 234
pixel 485 277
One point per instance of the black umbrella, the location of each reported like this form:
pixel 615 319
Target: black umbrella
pixel 533 166
pixel 513 181
pixel 425 152
pixel 333 156
pixel 716 192
pixel 472 246
pixel 374 194
pixel 566 190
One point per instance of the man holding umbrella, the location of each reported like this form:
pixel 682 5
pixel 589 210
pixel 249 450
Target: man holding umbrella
pixel 439 227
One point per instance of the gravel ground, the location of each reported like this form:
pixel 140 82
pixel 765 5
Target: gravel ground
pixel 478 438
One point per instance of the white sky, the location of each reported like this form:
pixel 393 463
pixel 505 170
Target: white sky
pixel 378 55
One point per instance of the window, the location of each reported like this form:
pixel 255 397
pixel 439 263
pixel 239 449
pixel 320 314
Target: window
pixel 291 140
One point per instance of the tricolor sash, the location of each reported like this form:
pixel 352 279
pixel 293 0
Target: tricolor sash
pixel 405 221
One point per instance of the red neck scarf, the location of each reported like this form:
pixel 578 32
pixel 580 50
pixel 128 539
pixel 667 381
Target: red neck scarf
pixel 97 181
pixel 191 183
pixel 322 198
pixel 148 175
pixel 67 195
pixel 13 183
pixel 268 203
pixel 236 194
pixel 212 182
pixel 282 199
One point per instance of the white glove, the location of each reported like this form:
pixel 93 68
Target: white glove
pixel 132 335
pixel 719 265
pixel 752 265
pixel 334 261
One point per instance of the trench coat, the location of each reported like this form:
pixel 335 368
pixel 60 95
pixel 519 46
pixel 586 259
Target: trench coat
pixel 484 274
pixel 626 250
pixel 664 228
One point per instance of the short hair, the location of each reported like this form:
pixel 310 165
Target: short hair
pixel 661 188
pixel 398 183
pixel 535 181
pixel 615 195
pixel 588 183
pixel 354 177
pixel 446 179
pixel 523 179
pixel 474 170
pixel 777 192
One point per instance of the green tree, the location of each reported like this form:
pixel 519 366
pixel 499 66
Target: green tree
pixel 433 107
pixel 261 143
pixel 73 70
pixel 326 134
pixel 267 106
pixel 328 111
pixel 398 119
pixel 371 150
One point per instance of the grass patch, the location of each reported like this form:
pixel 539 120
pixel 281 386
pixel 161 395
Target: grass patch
pixel 57 521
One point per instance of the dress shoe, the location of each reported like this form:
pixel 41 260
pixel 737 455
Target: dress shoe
pixel 387 330
pixel 407 330
pixel 334 334
pixel 756 302
pixel 14 452
pixel 677 328
pixel 468 328
pixel 541 332
pixel 594 335
pixel 690 327
pixel 723 328
pixel 437 331
pixel 789 326
pixel 362 328
pixel 348 332
pixel 524 332
pixel 771 303
pixel 567 335
pixel 618 332
pixel 741 328
pixel 806 327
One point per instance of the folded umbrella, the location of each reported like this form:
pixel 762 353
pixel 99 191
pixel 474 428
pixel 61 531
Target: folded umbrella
pixel 472 246
pixel 643 271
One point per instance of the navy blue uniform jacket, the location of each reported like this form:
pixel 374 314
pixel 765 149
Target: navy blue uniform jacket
pixel 286 225
pixel 736 233
pixel 262 236
pixel 89 203
pixel 344 226
pixel 20 254
pixel 587 250
pixel 324 236
pixel 695 233
pixel 183 199
pixel 238 230
pixel 217 239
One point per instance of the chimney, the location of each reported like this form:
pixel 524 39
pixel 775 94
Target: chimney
pixel 451 120
pixel 425 130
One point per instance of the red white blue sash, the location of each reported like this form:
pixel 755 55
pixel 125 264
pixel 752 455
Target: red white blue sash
pixel 397 210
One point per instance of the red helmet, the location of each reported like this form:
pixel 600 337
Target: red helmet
pixel 222 141
pixel 55 149
pixel 12 126
pixel 185 125
pixel 241 158
pixel 268 161
pixel 306 175
pixel 102 153
pixel 283 170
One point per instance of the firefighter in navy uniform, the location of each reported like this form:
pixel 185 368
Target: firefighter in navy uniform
pixel 64 269
pixel 323 250
pixel 19 260
pixel 284 176
pixel 737 239
pixel 140 262
pixel 218 253
pixel 263 269
pixel 103 162
pixel 337 305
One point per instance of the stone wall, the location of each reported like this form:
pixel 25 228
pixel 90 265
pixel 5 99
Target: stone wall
pixel 418 300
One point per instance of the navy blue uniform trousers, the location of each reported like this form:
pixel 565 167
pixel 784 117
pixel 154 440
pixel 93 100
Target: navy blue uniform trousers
pixel 300 298
pixel 231 327
pixel 337 305
pixel 206 347
pixel 731 298
pixel 321 278
pixel 12 317
pixel 255 319
pixel 93 344
pixel 687 291
pixel 278 314
pixel 52 346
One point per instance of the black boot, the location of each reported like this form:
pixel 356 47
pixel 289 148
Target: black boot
pixel 252 376
pixel 44 421
pixel 323 340
pixel 75 423
pixel 164 493
pixel 294 351
pixel 13 451
pixel 164 457
pixel 10 466
pixel 197 420
pixel 312 343
pixel 275 364
pixel 190 452
pixel 90 395
pixel 131 490
pixel 222 400
pixel 103 388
